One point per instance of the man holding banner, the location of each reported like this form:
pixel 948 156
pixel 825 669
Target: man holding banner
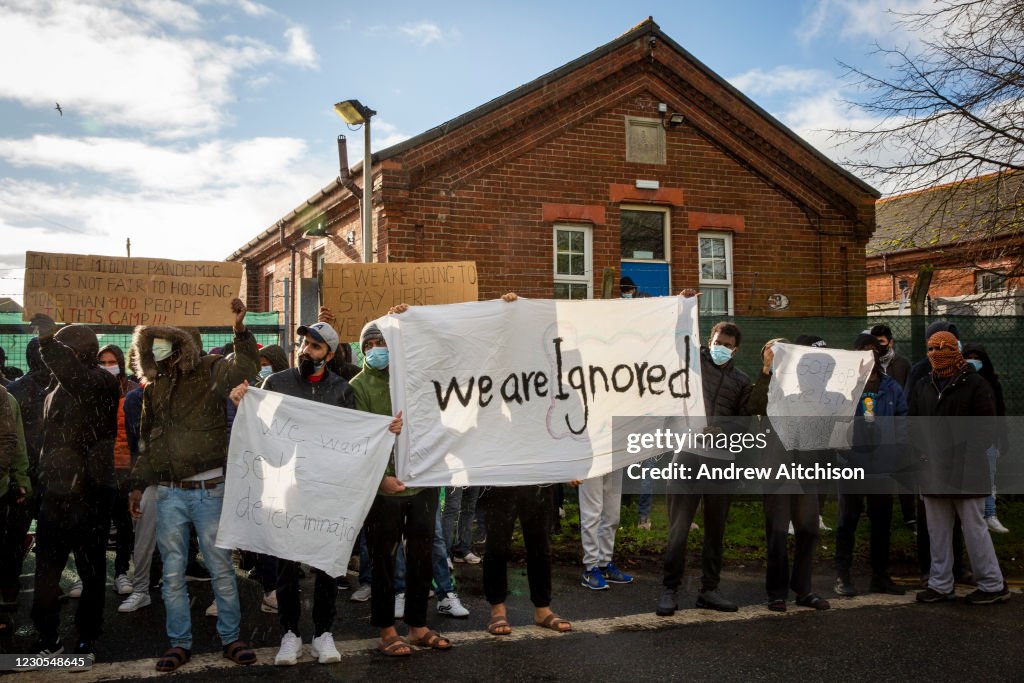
pixel 183 448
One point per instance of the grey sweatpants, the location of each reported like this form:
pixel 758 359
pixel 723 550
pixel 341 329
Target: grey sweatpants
pixel 145 540
pixel 984 563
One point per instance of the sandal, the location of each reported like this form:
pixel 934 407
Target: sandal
pixel 554 622
pixel 432 640
pixel 813 601
pixel 239 652
pixel 499 626
pixel 173 658
pixel 777 605
pixel 390 647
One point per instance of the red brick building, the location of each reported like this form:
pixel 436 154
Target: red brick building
pixel 635 156
pixel 969 233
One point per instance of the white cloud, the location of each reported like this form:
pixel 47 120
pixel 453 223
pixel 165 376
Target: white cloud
pixel 126 69
pixel 254 9
pixel 855 18
pixel 757 81
pixel 423 32
pixel 169 12
pixel 300 50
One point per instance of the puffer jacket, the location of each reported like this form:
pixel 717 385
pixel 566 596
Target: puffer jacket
pixel 331 389
pixel 372 388
pixel 184 404
pixel 726 388
pixel 954 448
pixel 80 424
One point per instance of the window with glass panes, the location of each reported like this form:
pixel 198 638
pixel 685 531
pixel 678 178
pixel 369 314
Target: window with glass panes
pixel 642 234
pixel 572 262
pixel 715 263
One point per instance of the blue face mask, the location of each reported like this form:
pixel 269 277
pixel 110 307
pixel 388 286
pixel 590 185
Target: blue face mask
pixel 627 295
pixel 976 363
pixel 377 358
pixel 266 371
pixel 721 354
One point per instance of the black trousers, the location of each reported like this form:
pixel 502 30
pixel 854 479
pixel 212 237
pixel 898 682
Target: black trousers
pixel 14 523
pixel 879 507
pixel 122 520
pixel 391 518
pixel 289 598
pixel 78 526
pixel 681 509
pixel 534 507
pixel 779 510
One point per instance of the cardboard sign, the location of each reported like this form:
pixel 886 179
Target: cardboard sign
pixel 114 290
pixel 301 477
pixel 504 394
pixel 360 292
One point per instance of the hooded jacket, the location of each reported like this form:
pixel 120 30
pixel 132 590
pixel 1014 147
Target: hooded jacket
pixel 17 472
pixel 182 433
pixel 8 438
pixel 122 452
pixel 276 355
pixel 79 418
pixel 30 392
pixel 373 395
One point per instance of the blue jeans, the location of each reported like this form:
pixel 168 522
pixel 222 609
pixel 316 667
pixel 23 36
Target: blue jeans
pixel 990 501
pixel 177 509
pixel 646 499
pixel 365 564
pixel 457 519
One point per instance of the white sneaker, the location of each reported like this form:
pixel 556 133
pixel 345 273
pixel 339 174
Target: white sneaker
pixel 135 601
pixel 821 524
pixel 450 565
pixel 269 604
pixel 469 558
pixel 399 605
pixel 324 650
pixel 290 651
pixel 122 585
pixel 792 531
pixel 361 594
pixel 995 525
pixel 76 590
pixel 211 611
pixel 452 607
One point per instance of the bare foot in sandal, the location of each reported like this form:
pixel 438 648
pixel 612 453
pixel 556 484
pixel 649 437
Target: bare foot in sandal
pixel 424 637
pixel 498 625
pixel 394 646
pixel 545 618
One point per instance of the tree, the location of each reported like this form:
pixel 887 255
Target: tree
pixel 950 111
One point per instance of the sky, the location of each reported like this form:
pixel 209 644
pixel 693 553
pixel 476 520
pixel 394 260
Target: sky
pixel 189 127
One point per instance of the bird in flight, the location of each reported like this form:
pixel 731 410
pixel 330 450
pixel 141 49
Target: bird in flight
pixel 59 110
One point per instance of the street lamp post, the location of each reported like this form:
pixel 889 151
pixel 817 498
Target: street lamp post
pixel 355 113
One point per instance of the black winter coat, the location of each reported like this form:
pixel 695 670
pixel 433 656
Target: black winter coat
pixel 332 389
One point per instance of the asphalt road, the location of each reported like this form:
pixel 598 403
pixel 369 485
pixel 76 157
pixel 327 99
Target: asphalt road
pixel 616 637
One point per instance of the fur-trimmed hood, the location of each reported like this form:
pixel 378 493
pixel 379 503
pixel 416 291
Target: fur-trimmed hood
pixel 184 359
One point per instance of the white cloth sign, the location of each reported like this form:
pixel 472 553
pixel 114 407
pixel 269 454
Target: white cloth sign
pixel 501 394
pixel 301 477
pixel 812 392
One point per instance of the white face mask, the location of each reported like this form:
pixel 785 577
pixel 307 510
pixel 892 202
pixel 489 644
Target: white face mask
pixel 162 349
pixel 114 370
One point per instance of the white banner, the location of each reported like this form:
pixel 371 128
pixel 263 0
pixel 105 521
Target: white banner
pixel 812 391
pixel 502 394
pixel 301 477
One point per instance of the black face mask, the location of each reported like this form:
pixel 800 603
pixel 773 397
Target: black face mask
pixel 307 366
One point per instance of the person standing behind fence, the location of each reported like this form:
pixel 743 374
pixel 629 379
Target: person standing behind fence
pixel 893 364
pixel 183 448
pixel 956 474
pixel 7 373
pixel 976 355
pixel 76 480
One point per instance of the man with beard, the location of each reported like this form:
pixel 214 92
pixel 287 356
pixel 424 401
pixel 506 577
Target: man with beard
pixel 183 449
pixel 76 482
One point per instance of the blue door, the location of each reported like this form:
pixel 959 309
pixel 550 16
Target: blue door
pixel 650 278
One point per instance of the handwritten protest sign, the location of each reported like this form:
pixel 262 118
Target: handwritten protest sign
pixel 113 290
pixel 501 394
pixel 360 292
pixel 811 389
pixel 301 477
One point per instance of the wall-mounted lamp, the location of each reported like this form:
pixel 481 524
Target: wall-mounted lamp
pixel 318 231
pixel 676 120
pixel 351 238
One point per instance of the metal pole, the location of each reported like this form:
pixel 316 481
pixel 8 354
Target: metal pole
pixel 367 196
pixel 286 335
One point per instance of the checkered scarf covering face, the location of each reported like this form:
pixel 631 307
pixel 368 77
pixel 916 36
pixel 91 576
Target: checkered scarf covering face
pixel 947 360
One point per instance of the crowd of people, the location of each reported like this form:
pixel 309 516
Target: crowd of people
pixel 88 440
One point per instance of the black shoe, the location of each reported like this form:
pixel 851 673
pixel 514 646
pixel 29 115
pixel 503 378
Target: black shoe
pixel 931 595
pixel 41 647
pixel 884 584
pixel 196 572
pixel 84 657
pixel 980 597
pixel 667 603
pixel 714 600
pixel 844 586
pixel 813 601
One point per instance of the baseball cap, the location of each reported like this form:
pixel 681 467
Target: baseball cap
pixel 321 332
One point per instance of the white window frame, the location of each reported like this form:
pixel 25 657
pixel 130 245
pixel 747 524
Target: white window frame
pixel 980 278
pixel 727 283
pixel 667 213
pixel 588 265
